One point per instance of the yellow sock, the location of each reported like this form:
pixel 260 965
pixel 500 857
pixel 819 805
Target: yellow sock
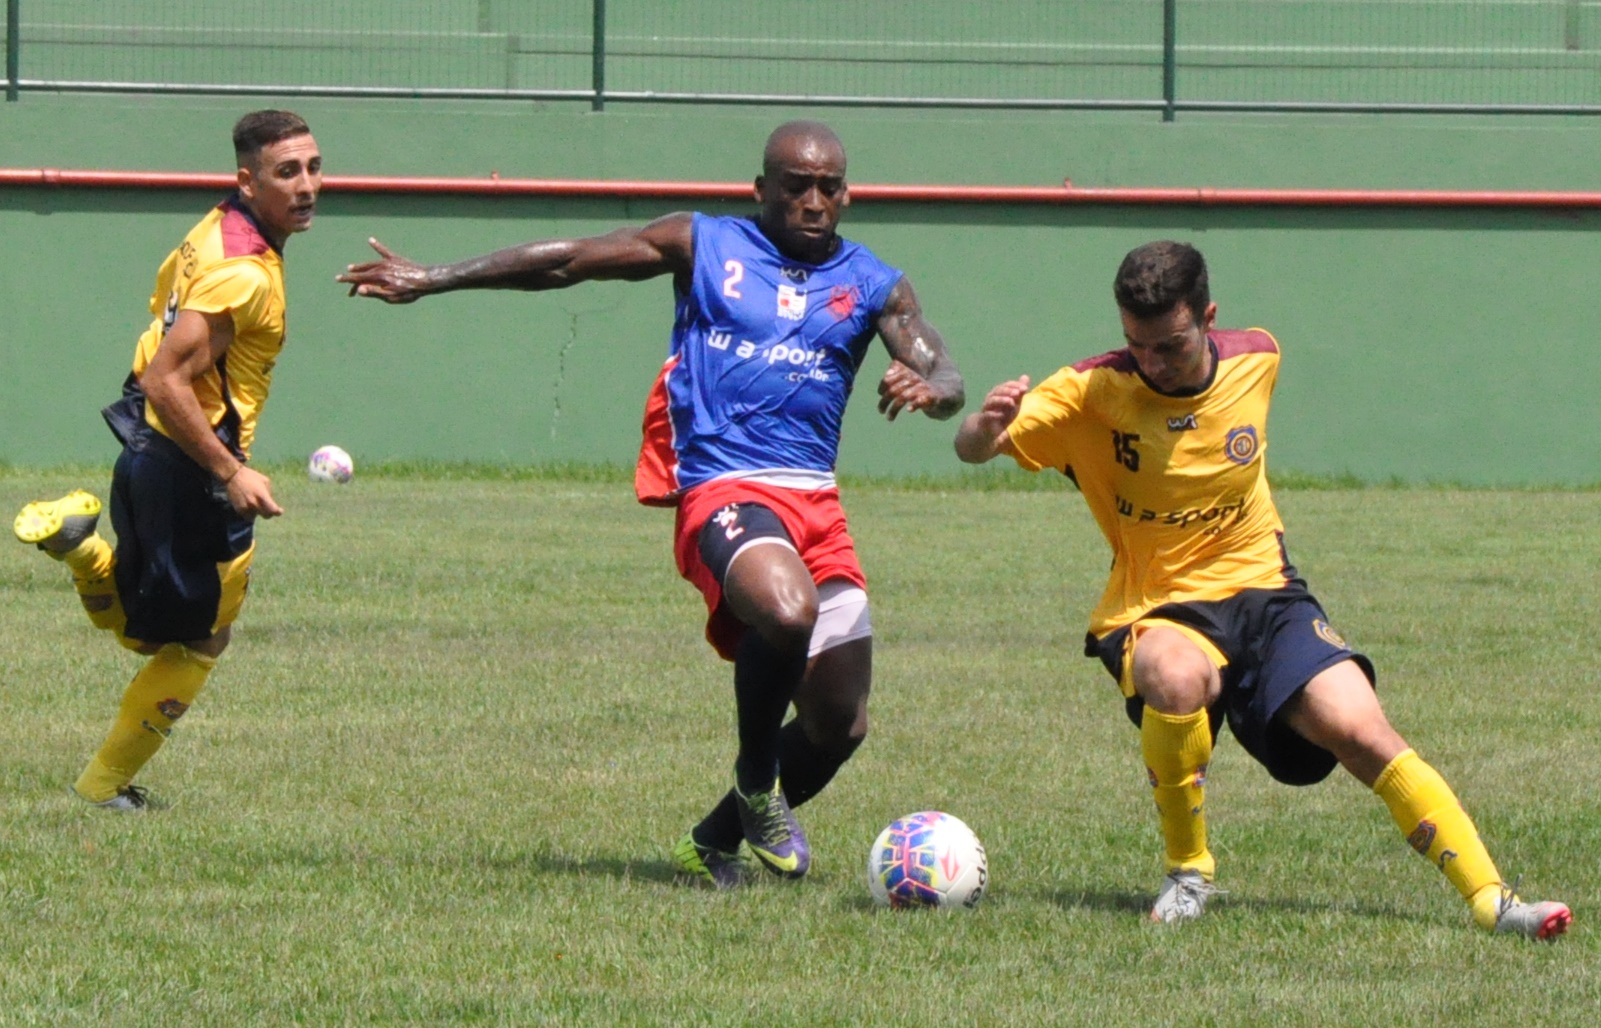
pixel 92 563
pixel 1177 751
pixel 1434 823
pixel 156 698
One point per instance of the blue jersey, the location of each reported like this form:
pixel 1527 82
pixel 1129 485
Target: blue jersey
pixel 764 354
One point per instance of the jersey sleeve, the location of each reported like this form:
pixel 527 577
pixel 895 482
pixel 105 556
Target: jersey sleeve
pixel 1038 433
pixel 241 287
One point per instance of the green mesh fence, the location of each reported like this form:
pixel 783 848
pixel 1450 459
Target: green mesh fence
pixel 1221 54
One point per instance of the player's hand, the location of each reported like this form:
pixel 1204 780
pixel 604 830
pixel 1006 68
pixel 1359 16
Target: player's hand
pixel 1001 405
pixel 250 492
pixel 392 279
pixel 902 389
pixel 983 434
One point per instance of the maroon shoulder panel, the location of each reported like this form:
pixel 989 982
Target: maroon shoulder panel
pixel 1117 360
pixel 240 236
pixel 1236 342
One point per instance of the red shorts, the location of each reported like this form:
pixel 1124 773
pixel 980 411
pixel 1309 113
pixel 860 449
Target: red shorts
pixel 816 525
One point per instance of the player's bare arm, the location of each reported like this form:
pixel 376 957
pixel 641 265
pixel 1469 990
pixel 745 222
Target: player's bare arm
pixel 632 254
pixel 921 374
pixel 190 349
pixel 983 434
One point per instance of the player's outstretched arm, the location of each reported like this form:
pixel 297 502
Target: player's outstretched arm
pixel 921 375
pixel 664 246
pixel 983 434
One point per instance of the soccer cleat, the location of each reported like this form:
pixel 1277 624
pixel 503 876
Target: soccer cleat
pixel 130 799
pixel 1539 921
pixel 1183 897
pixel 773 833
pixel 59 525
pixel 711 865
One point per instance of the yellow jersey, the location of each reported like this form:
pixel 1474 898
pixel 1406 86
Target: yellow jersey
pixel 1177 483
pixel 225 263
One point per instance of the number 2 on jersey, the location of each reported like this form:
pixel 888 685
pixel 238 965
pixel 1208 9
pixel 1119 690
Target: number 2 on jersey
pixel 736 274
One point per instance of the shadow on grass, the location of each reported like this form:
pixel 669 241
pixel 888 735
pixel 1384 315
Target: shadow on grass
pixel 1140 903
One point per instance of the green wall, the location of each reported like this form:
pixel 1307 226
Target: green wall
pixel 1425 345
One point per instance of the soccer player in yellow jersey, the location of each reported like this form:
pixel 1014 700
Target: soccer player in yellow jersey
pixel 184 498
pixel 1204 619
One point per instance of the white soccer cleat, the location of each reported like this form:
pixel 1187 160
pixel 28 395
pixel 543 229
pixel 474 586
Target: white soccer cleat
pixel 1183 897
pixel 1542 922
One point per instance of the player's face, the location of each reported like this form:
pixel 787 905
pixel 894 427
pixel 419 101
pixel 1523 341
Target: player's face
pixel 802 196
pixel 1171 349
pixel 282 187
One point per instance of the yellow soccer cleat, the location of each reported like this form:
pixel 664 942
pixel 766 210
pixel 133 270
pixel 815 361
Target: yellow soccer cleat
pixel 58 526
pixel 707 864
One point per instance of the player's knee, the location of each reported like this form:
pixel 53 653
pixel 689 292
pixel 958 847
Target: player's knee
pixel 1175 681
pixel 787 622
pixel 213 645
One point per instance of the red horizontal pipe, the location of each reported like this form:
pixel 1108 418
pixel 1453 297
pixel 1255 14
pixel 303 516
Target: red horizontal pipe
pixel 1067 193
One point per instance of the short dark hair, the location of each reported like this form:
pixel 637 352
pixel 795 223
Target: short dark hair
pixel 1155 278
pixel 260 129
pixel 773 152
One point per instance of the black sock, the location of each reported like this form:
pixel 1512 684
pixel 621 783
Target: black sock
pixel 765 678
pixel 805 769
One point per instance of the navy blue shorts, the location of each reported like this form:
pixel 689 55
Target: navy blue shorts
pixel 179 544
pixel 726 534
pixel 1275 641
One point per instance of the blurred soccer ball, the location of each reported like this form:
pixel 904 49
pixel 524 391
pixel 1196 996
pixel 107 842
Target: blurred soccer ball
pixel 928 859
pixel 331 464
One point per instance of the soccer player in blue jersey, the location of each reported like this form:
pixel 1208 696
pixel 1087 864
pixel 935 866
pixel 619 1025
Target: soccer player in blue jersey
pixel 1204 619
pixel 184 497
pixel 774 315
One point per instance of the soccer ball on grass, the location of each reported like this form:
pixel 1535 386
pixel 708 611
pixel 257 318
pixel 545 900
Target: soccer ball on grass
pixel 927 859
pixel 331 464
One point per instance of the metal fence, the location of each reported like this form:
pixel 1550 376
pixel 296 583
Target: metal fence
pixel 1168 56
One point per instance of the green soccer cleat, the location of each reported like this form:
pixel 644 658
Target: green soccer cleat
pixel 708 864
pixel 1183 897
pixel 58 526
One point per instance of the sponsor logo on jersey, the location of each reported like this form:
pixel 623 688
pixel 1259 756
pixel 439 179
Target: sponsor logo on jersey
pixel 842 301
pixel 1183 424
pixel 1181 518
pixel 791 303
pixel 1240 446
pixel 1327 634
pixel 795 274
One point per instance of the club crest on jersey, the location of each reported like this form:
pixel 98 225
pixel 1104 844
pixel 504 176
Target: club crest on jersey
pixel 842 301
pixel 1240 446
pixel 1183 424
pixel 1327 634
pixel 791 303
pixel 795 274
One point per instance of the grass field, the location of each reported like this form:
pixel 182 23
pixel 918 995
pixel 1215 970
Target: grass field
pixel 436 778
